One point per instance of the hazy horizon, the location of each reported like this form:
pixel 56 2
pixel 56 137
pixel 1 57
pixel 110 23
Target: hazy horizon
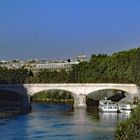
pixel 52 29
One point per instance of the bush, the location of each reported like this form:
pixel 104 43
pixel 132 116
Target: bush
pixel 129 129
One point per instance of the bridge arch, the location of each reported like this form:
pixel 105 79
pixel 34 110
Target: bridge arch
pixel 10 94
pixel 126 90
pixel 55 92
pixel 113 94
pixel 52 89
pixel 20 90
pixel 129 92
pixel 22 94
pixel 10 99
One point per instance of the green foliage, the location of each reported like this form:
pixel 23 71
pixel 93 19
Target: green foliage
pixel 54 94
pixel 130 128
pixel 47 76
pixel 121 67
pixel 13 76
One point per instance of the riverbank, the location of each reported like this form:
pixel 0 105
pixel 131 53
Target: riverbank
pixel 130 126
pixel 51 100
pixel 54 96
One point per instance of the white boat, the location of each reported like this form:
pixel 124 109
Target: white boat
pixel 124 107
pixel 107 106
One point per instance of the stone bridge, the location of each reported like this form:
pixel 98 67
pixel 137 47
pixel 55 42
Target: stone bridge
pixel 78 91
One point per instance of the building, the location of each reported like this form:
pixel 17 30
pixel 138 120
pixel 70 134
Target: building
pixel 37 65
pixel 81 57
pixel 55 66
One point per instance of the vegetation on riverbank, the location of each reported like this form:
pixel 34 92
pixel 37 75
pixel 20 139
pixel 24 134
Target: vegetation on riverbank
pixel 129 129
pixel 53 96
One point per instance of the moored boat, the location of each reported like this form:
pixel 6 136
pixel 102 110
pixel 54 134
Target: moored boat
pixel 107 106
pixel 124 107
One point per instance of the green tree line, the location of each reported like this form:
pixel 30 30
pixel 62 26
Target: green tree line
pixel 13 76
pixel 120 67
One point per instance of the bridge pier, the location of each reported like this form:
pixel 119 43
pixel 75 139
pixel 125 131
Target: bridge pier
pixel 26 104
pixel 80 101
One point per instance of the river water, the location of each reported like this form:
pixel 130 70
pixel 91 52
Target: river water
pixel 60 122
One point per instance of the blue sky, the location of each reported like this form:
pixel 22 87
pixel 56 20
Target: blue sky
pixel 58 29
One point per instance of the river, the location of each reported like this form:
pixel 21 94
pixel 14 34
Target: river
pixel 59 121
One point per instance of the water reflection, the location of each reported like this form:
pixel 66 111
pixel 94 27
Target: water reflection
pixel 82 124
pixel 125 114
pixel 112 117
pixel 60 121
pixel 108 117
